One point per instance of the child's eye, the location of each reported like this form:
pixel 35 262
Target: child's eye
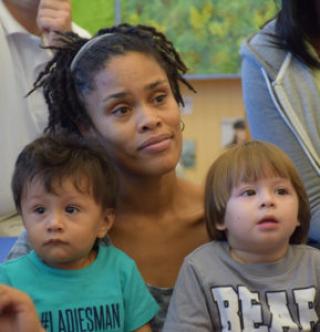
pixel 71 209
pixel 282 191
pixel 248 192
pixel 39 210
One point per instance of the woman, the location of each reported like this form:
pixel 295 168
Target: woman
pixel 122 87
pixel 280 76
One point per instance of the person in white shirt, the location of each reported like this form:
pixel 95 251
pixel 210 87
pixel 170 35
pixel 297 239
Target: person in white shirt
pixel 25 25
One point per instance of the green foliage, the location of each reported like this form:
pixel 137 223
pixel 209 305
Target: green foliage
pixel 207 33
pixel 93 15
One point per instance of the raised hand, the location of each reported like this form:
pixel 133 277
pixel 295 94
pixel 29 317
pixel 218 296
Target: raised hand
pixel 17 312
pixel 54 15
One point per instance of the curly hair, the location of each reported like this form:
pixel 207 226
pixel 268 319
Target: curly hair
pixel 64 87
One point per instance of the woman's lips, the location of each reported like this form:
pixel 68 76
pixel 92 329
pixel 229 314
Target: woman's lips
pixel 156 143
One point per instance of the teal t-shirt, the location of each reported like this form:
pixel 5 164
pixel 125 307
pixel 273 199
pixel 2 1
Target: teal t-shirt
pixel 107 295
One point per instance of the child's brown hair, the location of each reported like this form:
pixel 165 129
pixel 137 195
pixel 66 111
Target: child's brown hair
pixel 52 159
pixel 250 162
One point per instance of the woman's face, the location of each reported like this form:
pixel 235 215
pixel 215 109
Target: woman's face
pixel 136 115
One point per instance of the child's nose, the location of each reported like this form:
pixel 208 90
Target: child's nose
pixel 267 204
pixel 267 200
pixel 55 222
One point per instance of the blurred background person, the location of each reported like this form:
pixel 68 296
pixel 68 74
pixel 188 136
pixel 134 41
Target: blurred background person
pixel 281 81
pixel 24 26
pixel 240 133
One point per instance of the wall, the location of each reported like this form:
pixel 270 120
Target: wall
pixel 216 99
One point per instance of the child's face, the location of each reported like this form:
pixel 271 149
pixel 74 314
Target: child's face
pixel 260 218
pixel 63 226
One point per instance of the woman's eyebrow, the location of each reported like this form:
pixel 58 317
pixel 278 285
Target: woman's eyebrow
pixel 155 84
pixel 123 94
pixel 117 95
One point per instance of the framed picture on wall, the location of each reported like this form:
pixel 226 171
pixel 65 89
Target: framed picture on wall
pixel 188 156
pixel 234 131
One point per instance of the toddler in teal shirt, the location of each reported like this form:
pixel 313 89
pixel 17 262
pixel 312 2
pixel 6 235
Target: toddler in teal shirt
pixel 65 191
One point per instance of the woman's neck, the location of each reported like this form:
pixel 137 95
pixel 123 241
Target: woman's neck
pixel 25 15
pixel 147 194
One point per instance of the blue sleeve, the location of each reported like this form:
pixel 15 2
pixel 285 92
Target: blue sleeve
pixel 265 122
pixel 264 119
pixel 140 306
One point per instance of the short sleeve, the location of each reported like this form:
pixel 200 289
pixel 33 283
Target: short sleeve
pixel 4 279
pixel 140 306
pixel 188 311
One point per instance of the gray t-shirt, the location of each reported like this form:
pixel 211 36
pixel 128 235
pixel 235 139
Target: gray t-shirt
pixel 215 293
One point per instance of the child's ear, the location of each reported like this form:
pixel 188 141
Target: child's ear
pixel 221 227
pixel 106 222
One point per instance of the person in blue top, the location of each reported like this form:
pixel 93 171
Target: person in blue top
pixel 65 190
pixel 281 82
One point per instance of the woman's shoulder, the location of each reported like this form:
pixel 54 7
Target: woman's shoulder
pixel 264 48
pixel 266 36
pixel 191 188
pixel 191 198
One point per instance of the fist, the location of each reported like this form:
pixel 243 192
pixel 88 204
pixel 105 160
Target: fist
pixel 54 15
pixel 17 312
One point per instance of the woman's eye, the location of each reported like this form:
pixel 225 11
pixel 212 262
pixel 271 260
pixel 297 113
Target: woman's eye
pixel 39 210
pixel 158 99
pixel 71 209
pixel 120 111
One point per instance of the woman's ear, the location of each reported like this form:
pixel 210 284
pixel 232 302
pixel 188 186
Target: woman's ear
pixel 106 223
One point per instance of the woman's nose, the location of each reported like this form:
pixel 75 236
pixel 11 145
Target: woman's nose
pixel 148 119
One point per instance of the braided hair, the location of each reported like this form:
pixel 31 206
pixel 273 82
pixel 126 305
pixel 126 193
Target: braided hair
pixel 66 80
